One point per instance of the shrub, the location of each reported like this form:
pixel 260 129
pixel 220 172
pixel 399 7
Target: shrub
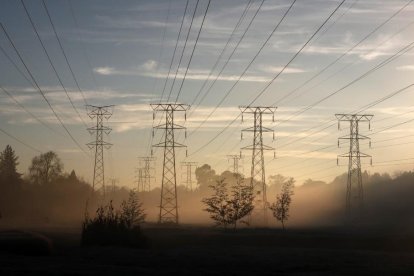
pixel 116 228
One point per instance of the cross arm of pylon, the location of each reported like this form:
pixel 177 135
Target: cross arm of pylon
pixel 361 154
pixel 164 145
pixel 360 137
pixel 106 110
pixel 103 143
pixel 165 106
pixel 174 126
pixel 251 147
pixel 105 129
pixel 252 129
pixel 357 117
pixel 261 109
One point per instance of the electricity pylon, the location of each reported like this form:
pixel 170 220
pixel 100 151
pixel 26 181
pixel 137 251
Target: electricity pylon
pixel 100 113
pixel 188 182
pixel 168 202
pixel 354 189
pixel 113 181
pixel 147 172
pixel 258 176
pixel 140 181
pixel 235 158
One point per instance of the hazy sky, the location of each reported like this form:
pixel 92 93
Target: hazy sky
pixel 120 52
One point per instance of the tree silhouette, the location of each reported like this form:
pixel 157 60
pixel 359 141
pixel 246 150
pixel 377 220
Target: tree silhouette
pixel 228 210
pixel 8 164
pixel 241 202
pixel 132 214
pixel 280 208
pixel 45 168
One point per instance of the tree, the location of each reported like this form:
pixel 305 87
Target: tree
pixel 8 164
pixel 280 208
pixel 205 177
pixel 217 204
pixel 132 214
pixel 228 210
pixel 45 168
pixel 241 202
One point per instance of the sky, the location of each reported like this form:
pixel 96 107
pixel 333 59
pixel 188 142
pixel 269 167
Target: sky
pixel 121 52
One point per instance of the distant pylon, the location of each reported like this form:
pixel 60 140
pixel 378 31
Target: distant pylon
pixel 188 182
pixel 139 179
pixel 354 188
pixel 113 181
pixel 147 172
pixel 259 214
pixel 168 202
pixel 100 113
pixel 235 158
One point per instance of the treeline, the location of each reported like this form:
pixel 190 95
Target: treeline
pixel 46 194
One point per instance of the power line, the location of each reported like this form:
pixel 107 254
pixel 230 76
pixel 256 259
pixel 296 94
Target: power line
pixel 349 64
pixel 297 53
pixel 182 52
pixel 345 53
pixel 219 133
pixel 247 68
pixel 241 18
pixel 50 62
pixel 175 49
pixel 192 53
pixel 40 90
pixel 18 140
pixel 27 111
pixel 63 52
pixel 229 57
pixel 380 65
pixel 399 31
pixel 15 66
pixel 172 60
pixel 161 48
pixel 83 44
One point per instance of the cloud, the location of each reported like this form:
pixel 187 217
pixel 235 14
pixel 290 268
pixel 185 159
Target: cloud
pixel 191 74
pixel 150 65
pixel 405 68
pixel 106 70
pixel 277 69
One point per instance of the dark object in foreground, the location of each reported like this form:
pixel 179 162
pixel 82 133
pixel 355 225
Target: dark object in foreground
pixel 111 228
pixel 25 243
pixel 112 234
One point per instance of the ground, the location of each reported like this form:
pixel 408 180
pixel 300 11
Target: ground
pixel 190 250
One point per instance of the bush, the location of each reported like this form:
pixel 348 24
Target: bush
pixel 116 228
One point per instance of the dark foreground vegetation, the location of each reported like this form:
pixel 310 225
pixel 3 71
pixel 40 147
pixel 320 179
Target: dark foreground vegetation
pixel 202 251
pixel 110 227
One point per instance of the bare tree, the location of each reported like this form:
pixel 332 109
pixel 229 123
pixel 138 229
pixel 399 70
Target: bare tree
pixel 45 168
pixel 228 209
pixel 280 208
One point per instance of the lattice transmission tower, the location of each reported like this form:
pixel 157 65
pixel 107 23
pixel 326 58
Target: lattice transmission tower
pixel 258 176
pixel 100 113
pixel 354 188
pixel 138 179
pixel 188 172
pixel 168 202
pixel 236 164
pixel 146 173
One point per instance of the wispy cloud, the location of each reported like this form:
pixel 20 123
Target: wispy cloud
pixel 191 75
pixel 405 68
